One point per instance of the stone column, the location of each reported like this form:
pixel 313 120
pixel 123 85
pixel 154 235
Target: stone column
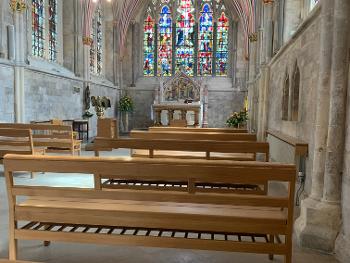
pixel 183 114
pixel 319 222
pixel 338 93
pixel 322 107
pixel 133 55
pixel 158 118
pixel 196 118
pixel 20 40
pixel 170 116
pixel 205 106
pixel 263 102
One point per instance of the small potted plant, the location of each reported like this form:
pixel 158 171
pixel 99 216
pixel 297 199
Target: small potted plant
pixel 237 119
pixel 126 105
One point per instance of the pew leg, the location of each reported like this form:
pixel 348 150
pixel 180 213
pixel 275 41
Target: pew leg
pixel 13 249
pixel 32 174
pixel 288 258
pixel 271 240
pixel 47 243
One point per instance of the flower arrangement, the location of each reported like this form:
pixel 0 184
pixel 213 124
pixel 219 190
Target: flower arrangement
pixel 237 119
pixel 126 104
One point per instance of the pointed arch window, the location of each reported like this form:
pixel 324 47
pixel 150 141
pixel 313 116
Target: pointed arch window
pixel 205 41
pixel 222 45
pixel 285 99
pixel 53 30
pixel 185 37
pixel 149 46
pixel 190 40
pixel 38 28
pixel 96 48
pixel 165 42
pixel 44 29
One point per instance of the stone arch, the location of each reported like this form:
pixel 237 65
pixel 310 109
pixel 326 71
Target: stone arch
pixel 295 93
pixel 285 97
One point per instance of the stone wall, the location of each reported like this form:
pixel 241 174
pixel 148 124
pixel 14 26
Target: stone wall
pixel 7 94
pixel 303 50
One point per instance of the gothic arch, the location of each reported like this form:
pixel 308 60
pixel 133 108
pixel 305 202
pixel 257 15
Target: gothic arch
pixel 285 97
pixel 295 93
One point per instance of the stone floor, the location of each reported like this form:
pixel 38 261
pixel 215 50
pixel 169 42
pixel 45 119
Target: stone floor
pixel 69 253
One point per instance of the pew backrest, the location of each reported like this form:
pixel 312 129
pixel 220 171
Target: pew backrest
pixel 47 135
pixel 194 172
pixel 178 135
pixel 15 141
pixel 186 129
pixel 207 147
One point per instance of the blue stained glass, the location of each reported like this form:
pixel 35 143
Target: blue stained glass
pixel 205 42
pixel 165 43
pixel 185 37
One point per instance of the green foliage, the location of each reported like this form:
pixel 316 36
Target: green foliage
pixel 237 119
pixel 126 104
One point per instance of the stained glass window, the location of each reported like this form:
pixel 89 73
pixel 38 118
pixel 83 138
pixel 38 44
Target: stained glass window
pixel 179 37
pixel 38 38
pixel 222 45
pixel 165 42
pixel 149 48
pixel 205 41
pixel 53 30
pixel 96 49
pixel 185 37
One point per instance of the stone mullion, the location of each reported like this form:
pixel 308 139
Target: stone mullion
pixel 155 63
pixel 173 60
pixel 195 54
pixel 214 49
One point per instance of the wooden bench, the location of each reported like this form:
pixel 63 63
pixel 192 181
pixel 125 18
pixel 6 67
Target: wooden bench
pixel 178 135
pixel 214 150
pixel 222 130
pixel 17 142
pixel 155 218
pixel 53 138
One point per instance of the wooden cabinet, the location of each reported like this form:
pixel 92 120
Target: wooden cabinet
pixel 107 128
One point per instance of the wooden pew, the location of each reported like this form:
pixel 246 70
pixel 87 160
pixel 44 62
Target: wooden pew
pixel 177 135
pixel 17 142
pixel 214 150
pixel 54 138
pixel 186 129
pixel 156 218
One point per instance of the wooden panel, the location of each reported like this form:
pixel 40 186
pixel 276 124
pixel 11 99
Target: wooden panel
pixel 245 171
pixel 150 241
pixel 140 195
pixel 222 130
pixel 193 136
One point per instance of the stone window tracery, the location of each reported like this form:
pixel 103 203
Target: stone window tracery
pixel 190 36
pixel 96 48
pixel 38 22
pixel 53 30
pixel 44 29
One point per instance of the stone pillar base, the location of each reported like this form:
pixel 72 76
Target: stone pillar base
pixel 318 225
pixel 342 248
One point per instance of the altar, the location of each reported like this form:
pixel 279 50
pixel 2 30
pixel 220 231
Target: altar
pixel 180 99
